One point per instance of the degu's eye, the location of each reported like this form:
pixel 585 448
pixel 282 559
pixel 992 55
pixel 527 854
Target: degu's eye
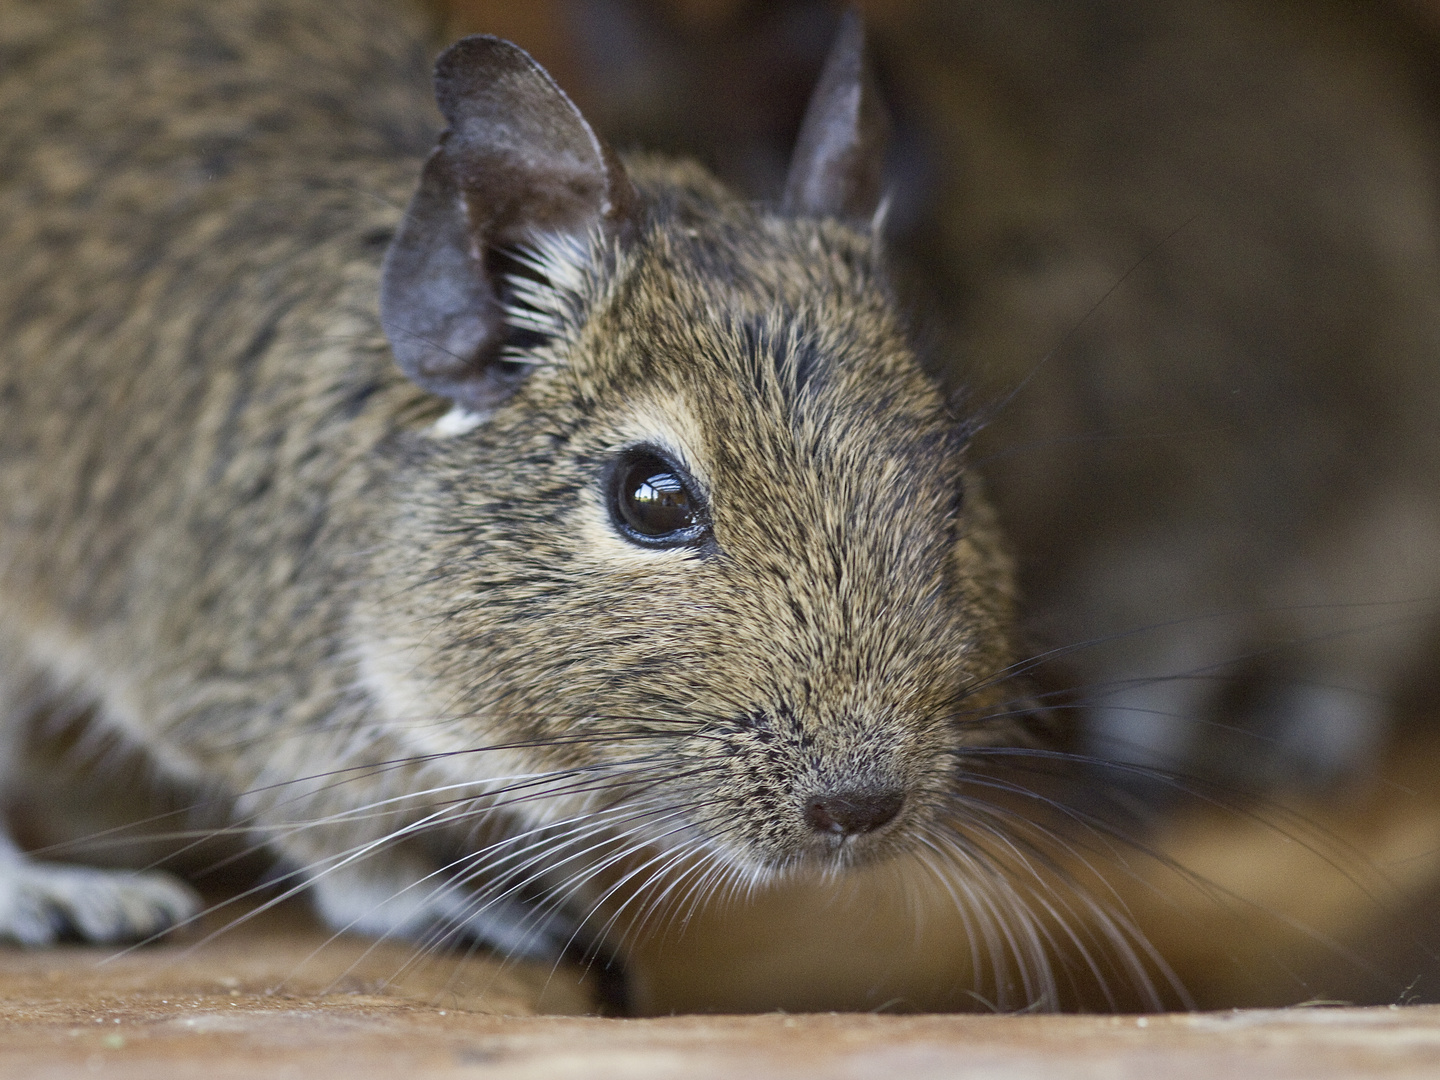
pixel 656 503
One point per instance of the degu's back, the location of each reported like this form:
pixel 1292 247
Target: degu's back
pixel 194 206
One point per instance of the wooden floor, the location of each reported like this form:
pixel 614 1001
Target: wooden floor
pixel 277 997
pixel 318 1040
pixel 53 1028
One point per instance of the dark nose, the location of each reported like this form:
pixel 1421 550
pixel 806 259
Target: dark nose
pixel 846 813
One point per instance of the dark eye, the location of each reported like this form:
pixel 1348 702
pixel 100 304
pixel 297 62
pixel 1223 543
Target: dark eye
pixel 655 503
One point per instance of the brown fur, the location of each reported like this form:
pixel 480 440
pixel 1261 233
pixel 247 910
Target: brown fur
pixel 233 527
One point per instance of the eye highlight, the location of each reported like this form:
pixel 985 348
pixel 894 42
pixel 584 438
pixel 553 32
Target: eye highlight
pixel 656 503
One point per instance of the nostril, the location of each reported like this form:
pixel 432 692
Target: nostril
pixel 846 813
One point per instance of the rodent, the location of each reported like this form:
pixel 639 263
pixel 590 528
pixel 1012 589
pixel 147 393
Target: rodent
pixel 626 522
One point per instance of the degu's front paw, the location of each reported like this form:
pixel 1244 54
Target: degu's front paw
pixel 42 903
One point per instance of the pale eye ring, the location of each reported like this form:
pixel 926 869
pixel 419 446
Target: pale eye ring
pixel 655 502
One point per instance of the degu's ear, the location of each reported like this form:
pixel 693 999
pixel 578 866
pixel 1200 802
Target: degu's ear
pixel 516 159
pixel 837 166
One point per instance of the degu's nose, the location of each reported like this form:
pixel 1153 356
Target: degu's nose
pixel 849 813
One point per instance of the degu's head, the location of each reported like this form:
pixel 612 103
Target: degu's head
pixel 694 552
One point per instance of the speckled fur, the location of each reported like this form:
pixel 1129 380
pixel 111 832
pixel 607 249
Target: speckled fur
pixel 233 526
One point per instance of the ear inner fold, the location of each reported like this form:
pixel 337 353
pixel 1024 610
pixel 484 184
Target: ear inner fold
pixel 516 159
